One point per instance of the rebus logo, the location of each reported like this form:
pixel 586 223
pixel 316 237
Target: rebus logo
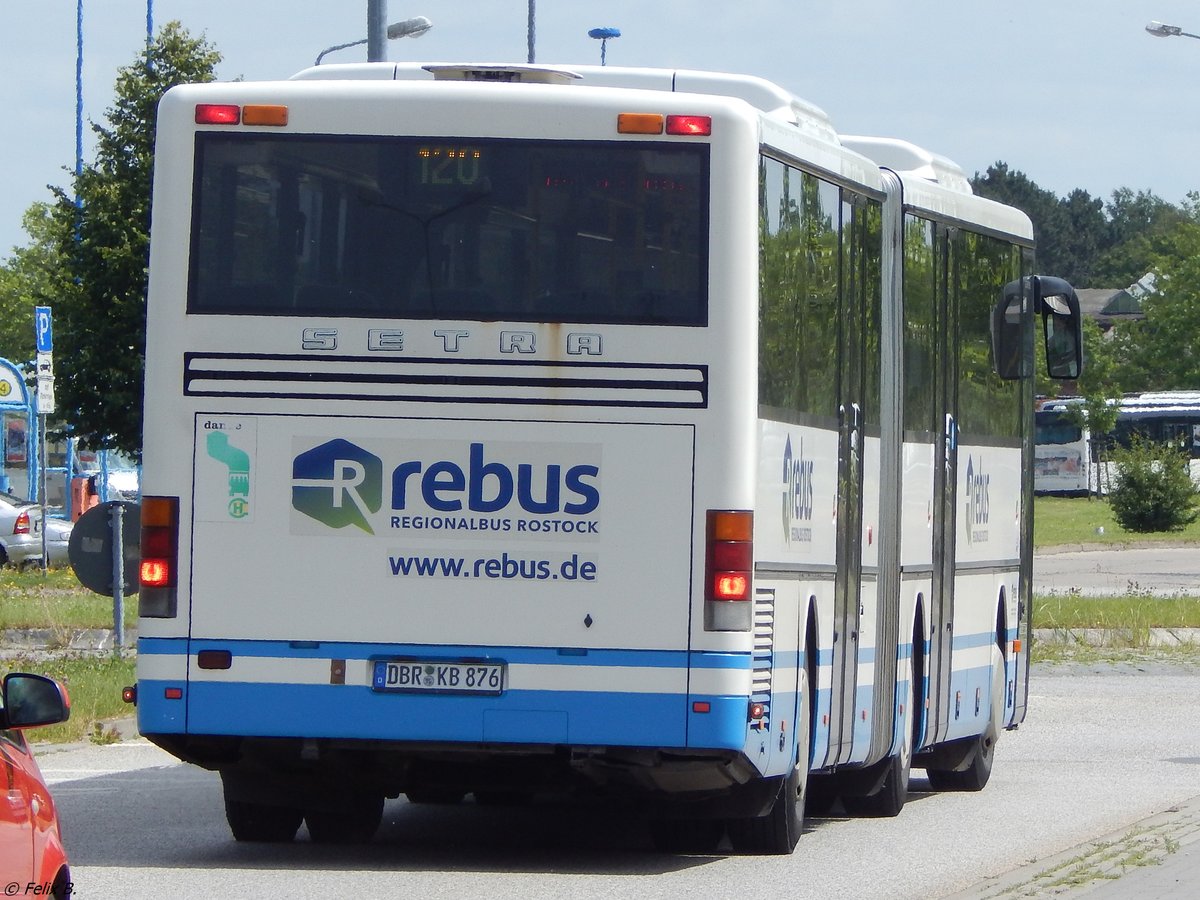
pixel 797 494
pixel 490 486
pixel 338 484
pixel 978 501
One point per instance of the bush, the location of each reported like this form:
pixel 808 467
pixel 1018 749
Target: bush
pixel 1154 490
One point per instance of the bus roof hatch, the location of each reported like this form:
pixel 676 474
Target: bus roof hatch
pixel 507 74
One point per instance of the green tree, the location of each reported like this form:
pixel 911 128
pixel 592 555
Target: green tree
pixel 1050 230
pixel 100 310
pixel 23 283
pixel 1160 352
pixel 1140 227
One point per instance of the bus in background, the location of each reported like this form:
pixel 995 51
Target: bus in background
pixel 1062 456
pixel 516 430
pixel 1162 417
pixel 1071 460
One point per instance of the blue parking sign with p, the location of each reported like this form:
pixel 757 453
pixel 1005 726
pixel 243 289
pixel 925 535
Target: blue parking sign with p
pixel 43 330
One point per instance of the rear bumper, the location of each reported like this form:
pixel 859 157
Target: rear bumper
pixel 562 697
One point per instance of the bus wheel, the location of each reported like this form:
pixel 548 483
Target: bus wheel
pixel 889 799
pixel 778 831
pixel 975 775
pixel 354 824
pixel 261 823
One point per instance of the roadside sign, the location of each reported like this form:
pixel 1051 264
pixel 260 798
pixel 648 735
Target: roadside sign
pixel 91 547
pixel 44 332
pixel 45 396
pixel 43 329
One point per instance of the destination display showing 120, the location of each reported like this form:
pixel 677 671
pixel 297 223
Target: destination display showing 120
pixel 449 166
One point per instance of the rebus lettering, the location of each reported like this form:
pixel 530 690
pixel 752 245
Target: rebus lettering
pixel 490 486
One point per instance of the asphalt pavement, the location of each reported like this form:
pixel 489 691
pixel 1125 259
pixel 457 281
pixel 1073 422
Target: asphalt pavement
pixel 1117 571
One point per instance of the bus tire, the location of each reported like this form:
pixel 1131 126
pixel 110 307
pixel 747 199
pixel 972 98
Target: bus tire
pixel 353 824
pixel 779 830
pixel 262 823
pixel 889 800
pixel 975 775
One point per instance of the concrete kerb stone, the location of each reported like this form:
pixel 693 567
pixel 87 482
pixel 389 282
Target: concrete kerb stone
pixel 1118 637
pixel 34 642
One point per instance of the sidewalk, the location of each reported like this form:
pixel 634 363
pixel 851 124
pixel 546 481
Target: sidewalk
pixel 1158 857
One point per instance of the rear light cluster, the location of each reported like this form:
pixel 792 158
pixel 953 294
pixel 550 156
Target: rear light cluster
pixel 656 123
pixel 160 557
pixel 21 526
pixel 728 570
pixel 232 114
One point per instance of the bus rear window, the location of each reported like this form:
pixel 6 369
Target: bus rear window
pixel 1055 428
pixel 447 228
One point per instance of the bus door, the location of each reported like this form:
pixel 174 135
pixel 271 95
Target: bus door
pixel 857 313
pixel 945 488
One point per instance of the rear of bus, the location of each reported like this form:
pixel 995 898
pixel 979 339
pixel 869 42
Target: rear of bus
pixel 449 444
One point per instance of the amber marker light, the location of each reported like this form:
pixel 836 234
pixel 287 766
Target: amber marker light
pixel 640 123
pixel 262 114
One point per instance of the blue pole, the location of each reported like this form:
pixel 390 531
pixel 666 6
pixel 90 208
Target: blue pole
pixel 78 94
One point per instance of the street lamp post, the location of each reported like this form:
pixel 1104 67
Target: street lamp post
pixel 414 27
pixel 603 35
pixel 1158 29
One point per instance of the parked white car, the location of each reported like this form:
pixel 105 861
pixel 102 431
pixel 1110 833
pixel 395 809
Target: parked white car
pixel 21 533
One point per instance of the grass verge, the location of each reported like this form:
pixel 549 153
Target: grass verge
pixel 1078 520
pixel 56 601
pixel 1133 612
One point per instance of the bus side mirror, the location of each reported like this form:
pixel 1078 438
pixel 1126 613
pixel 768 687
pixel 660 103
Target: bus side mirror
pixel 1062 326
pixel 1007 330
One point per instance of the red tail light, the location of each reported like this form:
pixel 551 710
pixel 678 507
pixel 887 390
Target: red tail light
pixel 218 114
pixel 158 570
pixel 21 526
pixel 730 554
pixel 728 570
pixel 689 125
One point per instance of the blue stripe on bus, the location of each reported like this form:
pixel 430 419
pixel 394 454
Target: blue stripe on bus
pixel 568 656
pixel 532 717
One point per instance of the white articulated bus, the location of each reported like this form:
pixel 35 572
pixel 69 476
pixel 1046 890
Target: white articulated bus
pixel 514 430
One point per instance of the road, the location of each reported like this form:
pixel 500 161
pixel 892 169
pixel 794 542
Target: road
pixel 1162 571
pixel 1103 748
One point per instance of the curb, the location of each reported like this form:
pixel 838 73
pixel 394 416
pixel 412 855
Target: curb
pixel 1118 637
pixel 49 641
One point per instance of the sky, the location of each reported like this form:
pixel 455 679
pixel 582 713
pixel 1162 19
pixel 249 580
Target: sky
pixel 1074 93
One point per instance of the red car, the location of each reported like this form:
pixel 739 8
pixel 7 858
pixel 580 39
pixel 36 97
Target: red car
pixel 31 848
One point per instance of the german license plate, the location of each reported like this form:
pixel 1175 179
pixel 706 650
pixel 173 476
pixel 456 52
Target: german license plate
pixel 436 676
